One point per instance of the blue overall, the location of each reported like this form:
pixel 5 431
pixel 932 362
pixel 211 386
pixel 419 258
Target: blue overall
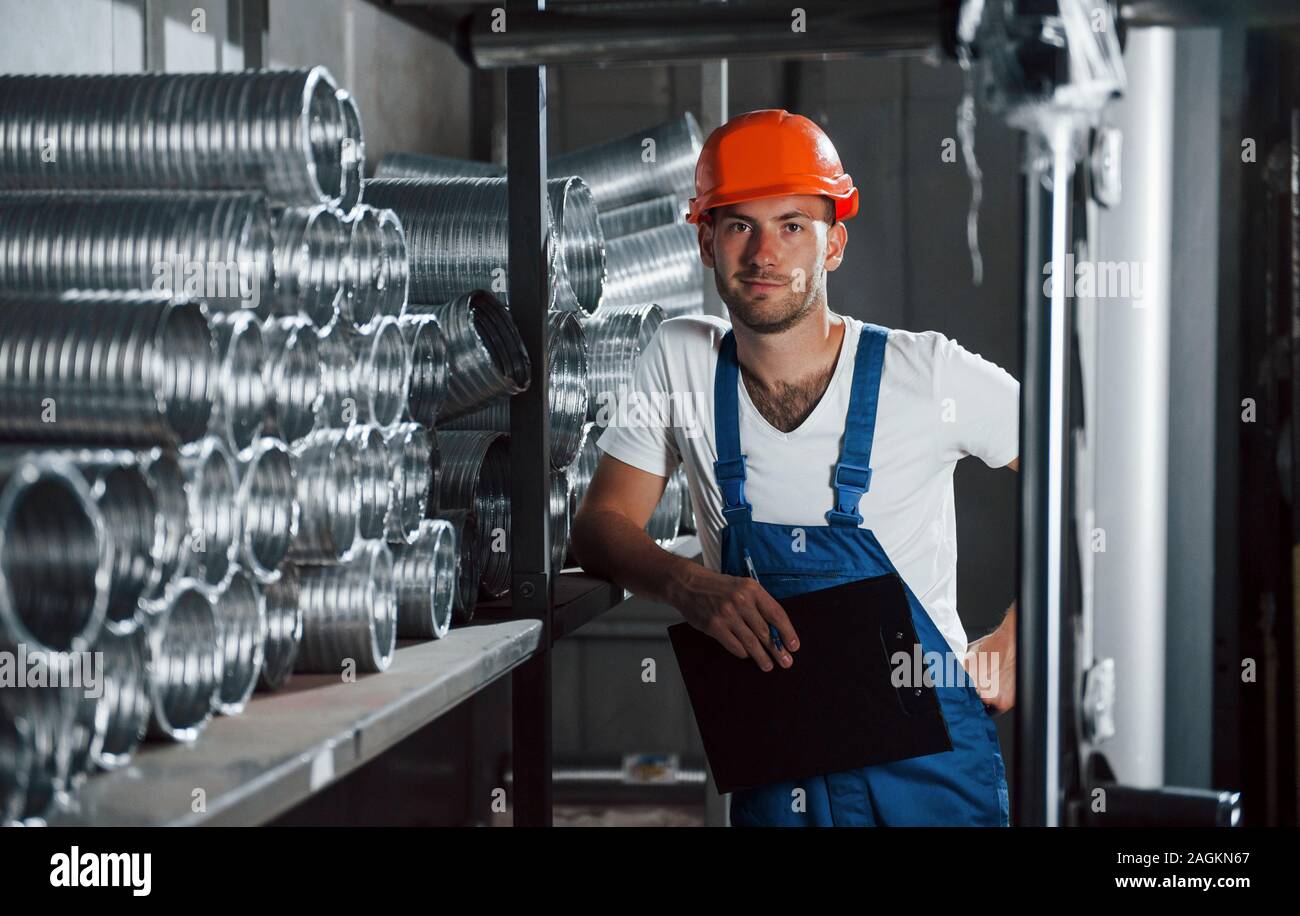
pixel 962 787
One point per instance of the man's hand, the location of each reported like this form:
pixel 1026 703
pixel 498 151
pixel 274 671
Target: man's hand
pixel 736 612
pixel 994 658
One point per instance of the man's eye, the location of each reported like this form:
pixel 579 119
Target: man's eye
pixel 795 226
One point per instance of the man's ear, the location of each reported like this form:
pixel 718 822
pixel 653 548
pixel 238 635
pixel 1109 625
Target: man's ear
pixel 837 238
pixel 704 236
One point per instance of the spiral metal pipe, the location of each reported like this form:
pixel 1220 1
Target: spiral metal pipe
pixel 616 338
pixel 338 373
pixel 420 165
pixel 312 271
pixel 162 468
pixel 382 364
pixel 131 373
pixel 485 354
pixel 667 516
pixel 46 717
pixel 686 524
pixel 183 664
pixel 465 524
pixel 214 247
pixel 16 754
pixel 241 625
pixel 329 497
pixel 457 234
pixel 581 241
pixel 240 394
pixel 617 171
pixel 292 378
pixel 349 613
pixel 475 475
pixel 374 474
pixel 659 263
pixel 124 700
pixel 424 571
pixel 56 556
pixel 212 487
pixel 353 153
pixel 268 507
pixel 567 368
pixel 428 351
pixel 410 454
pixel 275 129
pixel 647 214
pixel 283 629
pixel 560 505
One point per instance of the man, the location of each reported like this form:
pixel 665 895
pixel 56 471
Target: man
pixel 823 453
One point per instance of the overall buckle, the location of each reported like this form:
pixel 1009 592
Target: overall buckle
pixel 730 474
pixel 851 481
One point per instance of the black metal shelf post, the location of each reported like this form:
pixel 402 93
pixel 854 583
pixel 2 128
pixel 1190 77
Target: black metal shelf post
pixel 529 534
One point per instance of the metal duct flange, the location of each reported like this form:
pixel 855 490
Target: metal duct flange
pixel 425 574
pixel 353 153
pixel 485 354
pixel 465 524
pixel 157 389
pixel 268 506
pixel 567 367
pixel 214 247
pixel 383 372
pixel 124 698
pixel 349 613
pixel 338 373
pixel 241 625
pixel 581 241
pixel 667 516
pixel 616 337
pixel 292 377
pixel 329 497
pixel 655 264
pixel 55 557
pixel 273 129
pixel 647 214
pixel 212 487
pixel 427 348
pixel 395 285
pixel 410 455
pixel 617 172
pixel 283 629
pixel 366 267
pixel 475 475
pixel 312 274
pixel 419 165
pixel 457 234
pixel 374 479
pixel 240 397
pixel 183 665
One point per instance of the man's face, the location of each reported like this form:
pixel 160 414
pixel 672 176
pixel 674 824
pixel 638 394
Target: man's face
pixel 770 258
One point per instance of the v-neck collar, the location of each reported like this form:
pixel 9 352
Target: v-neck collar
pixel 843 364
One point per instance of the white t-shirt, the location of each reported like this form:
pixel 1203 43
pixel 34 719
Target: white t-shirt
pixel 938 403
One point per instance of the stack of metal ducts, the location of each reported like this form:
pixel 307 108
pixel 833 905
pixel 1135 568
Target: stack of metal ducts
pixel 203 485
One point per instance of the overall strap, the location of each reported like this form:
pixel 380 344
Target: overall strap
pixel 729 469
pixel 853 470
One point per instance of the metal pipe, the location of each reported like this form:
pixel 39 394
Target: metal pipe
pixel 744 30
pixel 157 389
pixel 616 337
pixel 476 476
pixel 1248 13
pixel 312 268
pixel 338 373
pixel 55 557
pixel 465 524
pixel 278 130
pixel 183 664
pixel 329 497
pixel 268 507
pixel 349 613
pixel 214 247
pixel 424 571
pixel 428 352
pixel 211 487
pixel 283 629
pixel 580 240
pixel 646 214
pixel 125 698
pixel 421 165
pixel 654 265
pixel 239 395
pixel 241 627
pixel 292 378
pixel 383 372
pixel 410 454
pixel 374 478
pixel 353 156
pixel 617 173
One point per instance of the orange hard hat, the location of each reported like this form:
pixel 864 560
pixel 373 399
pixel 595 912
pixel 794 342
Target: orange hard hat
pixel 769 153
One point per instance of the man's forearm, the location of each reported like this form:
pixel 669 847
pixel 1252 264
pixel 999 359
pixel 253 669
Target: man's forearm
pixel 610 546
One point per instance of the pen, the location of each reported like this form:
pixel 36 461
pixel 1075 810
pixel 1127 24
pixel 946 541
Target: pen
pixel 771 628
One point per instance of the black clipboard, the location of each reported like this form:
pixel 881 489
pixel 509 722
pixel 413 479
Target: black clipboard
pixel 834 709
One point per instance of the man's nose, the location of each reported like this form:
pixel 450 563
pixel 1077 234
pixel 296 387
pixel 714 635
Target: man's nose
pixel 762 249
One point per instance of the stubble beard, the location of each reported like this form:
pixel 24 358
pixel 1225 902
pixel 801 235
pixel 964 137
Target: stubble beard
pixel 763 317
